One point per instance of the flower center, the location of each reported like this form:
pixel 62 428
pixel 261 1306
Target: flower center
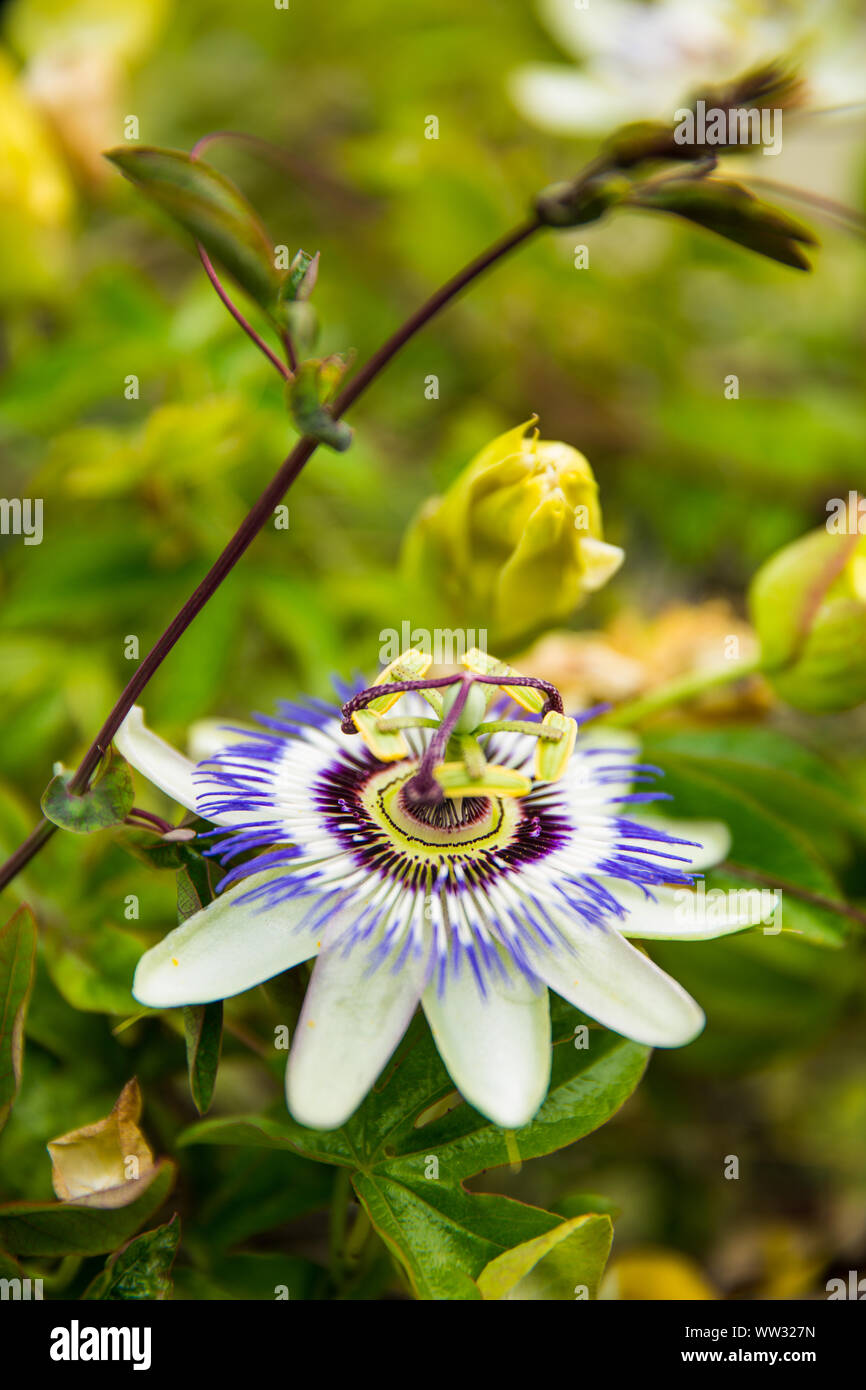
pixel 450 815
pixel 447 828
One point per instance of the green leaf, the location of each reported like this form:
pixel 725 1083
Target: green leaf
pixel 587 1086
pixel 17 958
pixel 107 801
pixel 141 1269
pixel 564 1263
pixel 208 206
pixel 586 1204
pixel 441 1234
pixel 261 1190
pixel 764 997
pixel 203 1030
pixel 768 848
pixel 75 1228
pixel 409 1160
pixel 806 788
pixel 94 970
pixel 731 211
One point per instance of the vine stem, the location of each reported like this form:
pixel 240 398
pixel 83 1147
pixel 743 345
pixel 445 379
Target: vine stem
pixel 253 522
pixel 855 914
pixel 677 692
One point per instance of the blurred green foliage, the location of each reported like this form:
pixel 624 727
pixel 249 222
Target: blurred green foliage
pixel 625 359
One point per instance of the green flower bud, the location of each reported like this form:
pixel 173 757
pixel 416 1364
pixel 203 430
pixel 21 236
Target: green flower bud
pixel 515 544
pixel 808 605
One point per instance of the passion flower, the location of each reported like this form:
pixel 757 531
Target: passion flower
pixel 446 855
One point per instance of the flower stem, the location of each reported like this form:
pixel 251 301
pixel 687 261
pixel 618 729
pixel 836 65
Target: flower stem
pixel 339 1218
pixel 677 692
pixel 254 521
pixel 239 318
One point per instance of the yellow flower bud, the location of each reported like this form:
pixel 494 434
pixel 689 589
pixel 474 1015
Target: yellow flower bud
pixel 808 604
pixel 515 543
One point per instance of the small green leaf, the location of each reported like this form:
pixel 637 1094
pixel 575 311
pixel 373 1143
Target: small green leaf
pixel 141 1269
pixel 17 956
pixel 564 1263
pixel 301 278
pixel 208 206
pixel 76 1228
pixel 733 212
pixel 203 1030
pixel 107 801
pixel 195 885
pixel 305 396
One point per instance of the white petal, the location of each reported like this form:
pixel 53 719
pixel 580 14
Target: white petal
pixel 683 914
pixel 155 759
pixel 567 102
pixel 616 984
pixel 712 837
pixel 585 29
pixel 208 736
pixel 224 949
pixel 168 769
pixel 620 741
pixel 497 1049
pixel 590 756
pixel 350 1024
